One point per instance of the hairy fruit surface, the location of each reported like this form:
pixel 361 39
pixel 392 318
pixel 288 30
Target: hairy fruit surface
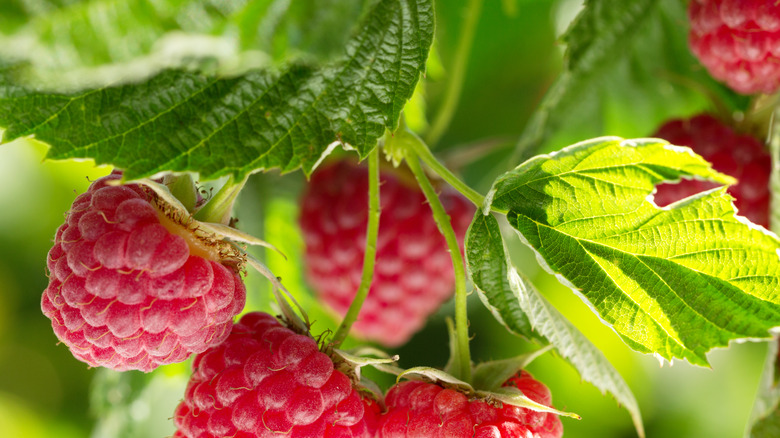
pixel 425 410
pixel 738 41
pixel 739 155
pixel 131 288
pixel 267 381
pixel 413 272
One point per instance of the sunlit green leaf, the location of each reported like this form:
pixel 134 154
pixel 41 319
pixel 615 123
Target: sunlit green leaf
pixel 516 303
pixel 674 281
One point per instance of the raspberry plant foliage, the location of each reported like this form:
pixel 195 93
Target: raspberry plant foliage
pixel 290 116
pixel 675 282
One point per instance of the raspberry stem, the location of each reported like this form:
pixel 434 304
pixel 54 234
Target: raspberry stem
pixel 369 257
pixel 458 73
pixel 421 150
pixel 463 371
pixel 218 208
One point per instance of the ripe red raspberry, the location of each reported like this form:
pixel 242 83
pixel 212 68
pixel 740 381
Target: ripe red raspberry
pixel 413 272
pixel 131 288
pixel 738 41
pixel 425 410
pixel 267 381
pixel 738 155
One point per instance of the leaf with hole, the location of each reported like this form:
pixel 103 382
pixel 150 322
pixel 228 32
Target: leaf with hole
pixel 675 281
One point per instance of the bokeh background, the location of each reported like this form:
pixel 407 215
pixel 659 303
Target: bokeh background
pixel 517 54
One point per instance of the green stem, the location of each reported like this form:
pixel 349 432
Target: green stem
pixel 370 255
pixel 457 73
pixel 218 208
pixel 443 221
pixel 425 154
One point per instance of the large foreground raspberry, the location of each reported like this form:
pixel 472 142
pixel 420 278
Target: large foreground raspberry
pixel 413 272
pixel 131 288
pixel 738 41
pixel 267 381
pixel 425 410
pixel 739 155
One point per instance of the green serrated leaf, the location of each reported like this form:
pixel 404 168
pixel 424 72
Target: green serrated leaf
pixel 515 297
pixel 627 68
pixel 182 121
pixel 487 269
pixel 675 281
pixel 490 376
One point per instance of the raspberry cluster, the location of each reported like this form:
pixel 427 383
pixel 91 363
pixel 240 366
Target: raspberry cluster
pixel 413 273
pixel 130 288
pixel 418 409
pixel 739 155
pixel 738 41
pixel 267 381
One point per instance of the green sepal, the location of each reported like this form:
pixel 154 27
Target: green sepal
pixel 490 376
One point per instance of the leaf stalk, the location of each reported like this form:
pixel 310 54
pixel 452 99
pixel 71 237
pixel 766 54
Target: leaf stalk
pixel 421 150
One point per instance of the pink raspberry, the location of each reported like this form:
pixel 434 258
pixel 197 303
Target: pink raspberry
pixel 738 155
pixel 413 273
pixel 738 41
pixel 267 381
pixel 132 288
pixel 425 410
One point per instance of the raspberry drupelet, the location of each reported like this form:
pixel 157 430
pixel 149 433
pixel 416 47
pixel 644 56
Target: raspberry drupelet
pixel 134 285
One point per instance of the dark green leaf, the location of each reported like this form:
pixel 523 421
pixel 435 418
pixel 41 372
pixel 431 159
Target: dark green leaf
pixel 627 68
pixel 180 121
pixel 488 270
pixel 676 281
pixel 515 302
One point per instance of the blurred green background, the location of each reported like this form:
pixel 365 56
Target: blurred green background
pixel 517 55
